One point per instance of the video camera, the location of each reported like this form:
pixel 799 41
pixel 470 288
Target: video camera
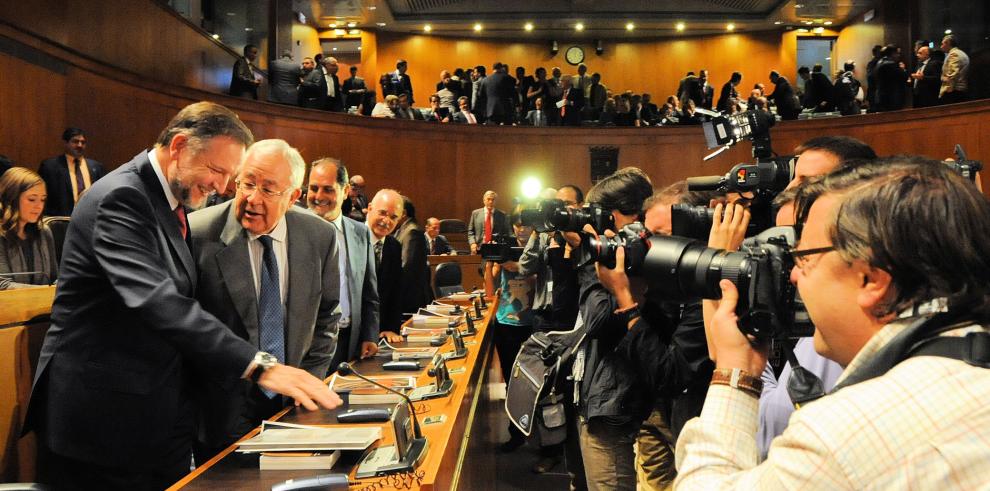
pixel 682 269
pixel 554 214
pixel 502 248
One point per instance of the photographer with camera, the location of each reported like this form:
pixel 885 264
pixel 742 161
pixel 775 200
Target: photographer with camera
pixel 611 397
pixel 903 312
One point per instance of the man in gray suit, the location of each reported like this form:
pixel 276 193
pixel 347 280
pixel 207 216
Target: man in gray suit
pixel 537 117
pixel 486 222
pixel 358 325
pixel 283 79
pixel 312 90
pixel 270 273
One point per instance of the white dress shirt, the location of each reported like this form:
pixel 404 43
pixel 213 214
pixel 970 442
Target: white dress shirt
pixel 256 253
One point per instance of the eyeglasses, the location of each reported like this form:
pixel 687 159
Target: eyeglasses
pixel 801 257
pixel 250 188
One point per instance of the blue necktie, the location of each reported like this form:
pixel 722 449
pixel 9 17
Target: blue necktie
pixel 271 318
pixel 345 274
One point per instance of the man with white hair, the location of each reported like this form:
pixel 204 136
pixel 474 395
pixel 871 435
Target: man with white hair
pixel 242 250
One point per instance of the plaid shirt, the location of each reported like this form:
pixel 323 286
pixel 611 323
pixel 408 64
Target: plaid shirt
pixel 925 424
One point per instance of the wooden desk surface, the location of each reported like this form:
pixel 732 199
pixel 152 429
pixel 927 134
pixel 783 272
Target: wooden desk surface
pixel 447 442
pixel 25 304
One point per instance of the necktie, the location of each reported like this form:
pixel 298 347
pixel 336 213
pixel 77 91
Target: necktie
pixel 80 182
pixel 471 119
pixel 271 318
pixel 563 109
pixel 180 213
pixel 345 273
pixel 488 226
pixel 378 254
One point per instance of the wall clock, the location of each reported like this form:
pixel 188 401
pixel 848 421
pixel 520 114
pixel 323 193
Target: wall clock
pixel 574 55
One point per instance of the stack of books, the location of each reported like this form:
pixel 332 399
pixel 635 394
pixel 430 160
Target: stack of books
pixel 360 392
pixel 286 446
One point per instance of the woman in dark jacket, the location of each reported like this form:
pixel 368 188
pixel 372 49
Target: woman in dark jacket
pixel 27 248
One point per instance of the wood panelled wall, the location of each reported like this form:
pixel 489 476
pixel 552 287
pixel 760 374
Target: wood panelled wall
pixel 444 169
pixel 652 66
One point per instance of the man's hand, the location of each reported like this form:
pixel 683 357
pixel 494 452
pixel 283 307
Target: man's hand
pixel 728 226
pixel 307 390
pixel 730 348
pixel 391 337
pixel 368 349
pixel 616 281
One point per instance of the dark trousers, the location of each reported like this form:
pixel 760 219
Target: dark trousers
pixel 341 355
pixel 953 97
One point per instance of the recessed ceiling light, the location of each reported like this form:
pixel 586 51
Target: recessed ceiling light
pixel 528 27
pixel 339 32
pixel 371 7
pixel 359 48
pixel 335 48
pixel 819 30
pixel 380 24
pixel 777 23
pixel 352 24
pixel 630 26
pixel 802 30
pixel 248 29
pixel 680 26
pixel 216 36
pixel 354 32
pixel 948 31
pixel 231 14
pixel 579 27
pixel 333 25
pixel 427 28
pixel 730 27
pixel 478 28
pixel 808 22
pixel 828 23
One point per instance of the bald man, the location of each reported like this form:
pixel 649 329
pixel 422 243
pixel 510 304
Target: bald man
pixel 384 212
pixel 356 205
pixel 437 244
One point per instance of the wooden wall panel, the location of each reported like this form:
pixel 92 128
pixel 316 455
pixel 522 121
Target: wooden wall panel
pixel 653 66
pixel 444 169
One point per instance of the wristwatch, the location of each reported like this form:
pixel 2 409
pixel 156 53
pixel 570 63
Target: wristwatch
pixel 262 361
pixel 738 378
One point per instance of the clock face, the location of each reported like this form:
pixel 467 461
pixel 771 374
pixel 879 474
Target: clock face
pixel 574 55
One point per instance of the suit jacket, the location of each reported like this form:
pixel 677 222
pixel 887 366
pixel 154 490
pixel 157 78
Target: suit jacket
pixel 226 290
pixel 440 246
pixel 313 90
pixel 499 89
pixel 242 80
pixel 55 173
pixel 126 334
pixel 786 101
pixel 955 72
pixel 531 118
pixel 725 97
pixel 362 285
pixel 708 97
pixel 926 88
pixel 891 92
pixel 352 98
pixel 818 94
pixel 283 81
pixel 476 226
pixel 389 280
pixel 335 103
pixel 394 84
pixel 460 118
pixel 415 291
pixel 572 116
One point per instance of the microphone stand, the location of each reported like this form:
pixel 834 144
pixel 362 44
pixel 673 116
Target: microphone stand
pixel 409 456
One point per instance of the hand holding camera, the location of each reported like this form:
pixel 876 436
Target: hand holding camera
pixel 728 347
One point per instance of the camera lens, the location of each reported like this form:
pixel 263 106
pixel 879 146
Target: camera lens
pixel 694 222
pixel 683 268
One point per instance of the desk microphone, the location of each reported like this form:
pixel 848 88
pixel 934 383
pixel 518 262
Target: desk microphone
pixel 345 369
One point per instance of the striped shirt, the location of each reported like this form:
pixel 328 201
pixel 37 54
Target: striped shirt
pixel 925 424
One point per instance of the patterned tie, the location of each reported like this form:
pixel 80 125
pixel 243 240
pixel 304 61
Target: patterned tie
pixel 80 182
pixel 378 254
pixel 180 212
pixel 345 273
pixel 271 318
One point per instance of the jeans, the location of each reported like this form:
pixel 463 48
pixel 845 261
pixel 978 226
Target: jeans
pixel 607 451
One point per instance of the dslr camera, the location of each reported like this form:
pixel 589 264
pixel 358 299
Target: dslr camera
pixel 964 167
pixel 502 248
pixel 552 214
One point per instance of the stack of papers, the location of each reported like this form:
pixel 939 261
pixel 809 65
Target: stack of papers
pixel 279 437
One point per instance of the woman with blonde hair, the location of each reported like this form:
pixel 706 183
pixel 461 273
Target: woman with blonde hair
pixel 27 248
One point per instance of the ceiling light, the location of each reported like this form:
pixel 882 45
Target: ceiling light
pixel 819 30
pixel 528 27
pixel 380 24
pixel 579 27
pixel 777 23
pixel 333 25
pixel 231 14
pixel 478 28
pixel 339 32
pixel 352 24
pixel 948 31
pixel 359 48
pixel 427 28
pixel 630 26
pixel 216 36
pixel 828 23
pixel 730 27
pixel 335 48
pixel 371 7
pixel 680 26
pixel 802 30
pixel 354 32
pixel 808 22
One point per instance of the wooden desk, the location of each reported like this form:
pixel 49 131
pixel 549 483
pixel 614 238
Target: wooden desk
pixel 462 438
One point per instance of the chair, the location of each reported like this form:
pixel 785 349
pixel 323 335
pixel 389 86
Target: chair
pixel 452 226
pixel 447 279
pixel 58 226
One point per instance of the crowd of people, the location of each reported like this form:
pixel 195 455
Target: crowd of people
pixel 474 96
pixel 186 306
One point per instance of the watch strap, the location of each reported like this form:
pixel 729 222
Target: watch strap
pixel 738 378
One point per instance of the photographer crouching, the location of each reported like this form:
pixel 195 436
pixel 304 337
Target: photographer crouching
pixel 891 264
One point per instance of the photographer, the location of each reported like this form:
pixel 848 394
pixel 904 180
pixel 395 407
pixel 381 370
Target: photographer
pixel 890 305
pixel 612 398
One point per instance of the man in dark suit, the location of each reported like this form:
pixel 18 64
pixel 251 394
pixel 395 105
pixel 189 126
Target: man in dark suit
pixel 232 245
pixel 707 91
pixel 356 202
pixel 354 90
pixel 398 82
pixel 358 338
pixel 499 89
pixel 415 291
pixel 464 116
pixel 283 79
pixel 725 98
pixel 818 90
pixel 478 103
pixel 112 396
pixel 312 90
pixel 384 213
pixel 69 175
pixel 436 244
pixel 927 79
pixel 891 79
pixel 243 82
pixel 486 222
pixel 331 85
pixel 788 106
pixel 573 99
pixel 538 117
